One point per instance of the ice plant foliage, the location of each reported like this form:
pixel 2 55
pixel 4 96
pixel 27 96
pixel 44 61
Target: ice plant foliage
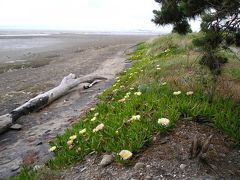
pixel 163 121
pixel 125 154
pixel 98 128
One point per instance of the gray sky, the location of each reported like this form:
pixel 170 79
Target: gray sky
pixel 98 15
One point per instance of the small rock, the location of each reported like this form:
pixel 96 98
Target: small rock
pixel 16 127
pixel 106 160
pixel 183 166
pixel 148 177
pixel 15 167
pixel 39 143
pixel 139 165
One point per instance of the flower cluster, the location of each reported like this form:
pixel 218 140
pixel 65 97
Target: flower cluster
pixel 163 121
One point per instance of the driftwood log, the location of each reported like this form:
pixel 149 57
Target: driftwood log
pixel 42 100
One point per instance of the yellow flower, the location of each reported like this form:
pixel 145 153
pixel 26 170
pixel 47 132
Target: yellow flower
pixel 164 83
pixel 73 137
pixel 98 128
pixel 177 93
pixel 52 149
pixel 96 114
pixel 138 93
pixel 83 131
pixel 189 93
pixel 117 132
pixel 114 85
pixel 163 121
pixel 117 77
pixel 125 154
pixel 70 142
pixel 118 80
pixel 93 119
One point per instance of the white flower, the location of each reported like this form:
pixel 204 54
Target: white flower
pixel 189 93
pixel 117 77
pixel 131 88
pixel 176 93
pixel 141 70
pixel 137 117
pixel 115 90
pixel 138 93
pixel 69 142
pixel 96 114
pixel 118 80
pixel 92 109
pixel 73 137
pixel 52 149
pixel 125 154
pixel 127 95
pixel 122 86
pixel 93 119
pixel 83 131
pixel 98 128
pixel 158 68
pixel 164 83
pixel 158 65
pixel 163 121
pixel 122 100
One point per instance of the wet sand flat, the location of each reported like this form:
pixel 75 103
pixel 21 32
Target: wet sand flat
pixel 32 65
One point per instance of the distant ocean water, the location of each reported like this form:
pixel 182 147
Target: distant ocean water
pixel 33 33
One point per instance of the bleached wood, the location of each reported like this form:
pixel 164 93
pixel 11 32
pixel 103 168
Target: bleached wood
pixel 45 99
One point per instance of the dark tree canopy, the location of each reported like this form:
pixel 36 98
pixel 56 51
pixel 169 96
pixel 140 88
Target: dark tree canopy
pixel 216 14
pixel 220 23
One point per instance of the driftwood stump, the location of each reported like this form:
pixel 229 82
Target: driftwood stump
pixel 42 100
pixel 199 149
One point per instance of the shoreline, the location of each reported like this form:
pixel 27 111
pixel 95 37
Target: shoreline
pixel 103 57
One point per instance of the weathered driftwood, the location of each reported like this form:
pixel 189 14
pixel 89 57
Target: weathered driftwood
pixel 46 98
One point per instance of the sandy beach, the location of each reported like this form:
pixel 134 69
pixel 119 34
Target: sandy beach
pixel 30 65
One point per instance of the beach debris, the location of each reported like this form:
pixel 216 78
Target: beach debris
pixel 44 99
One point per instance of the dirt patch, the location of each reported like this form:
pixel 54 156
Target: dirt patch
pixel 168 158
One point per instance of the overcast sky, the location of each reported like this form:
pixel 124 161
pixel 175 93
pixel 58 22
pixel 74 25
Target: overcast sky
pixel 98 15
